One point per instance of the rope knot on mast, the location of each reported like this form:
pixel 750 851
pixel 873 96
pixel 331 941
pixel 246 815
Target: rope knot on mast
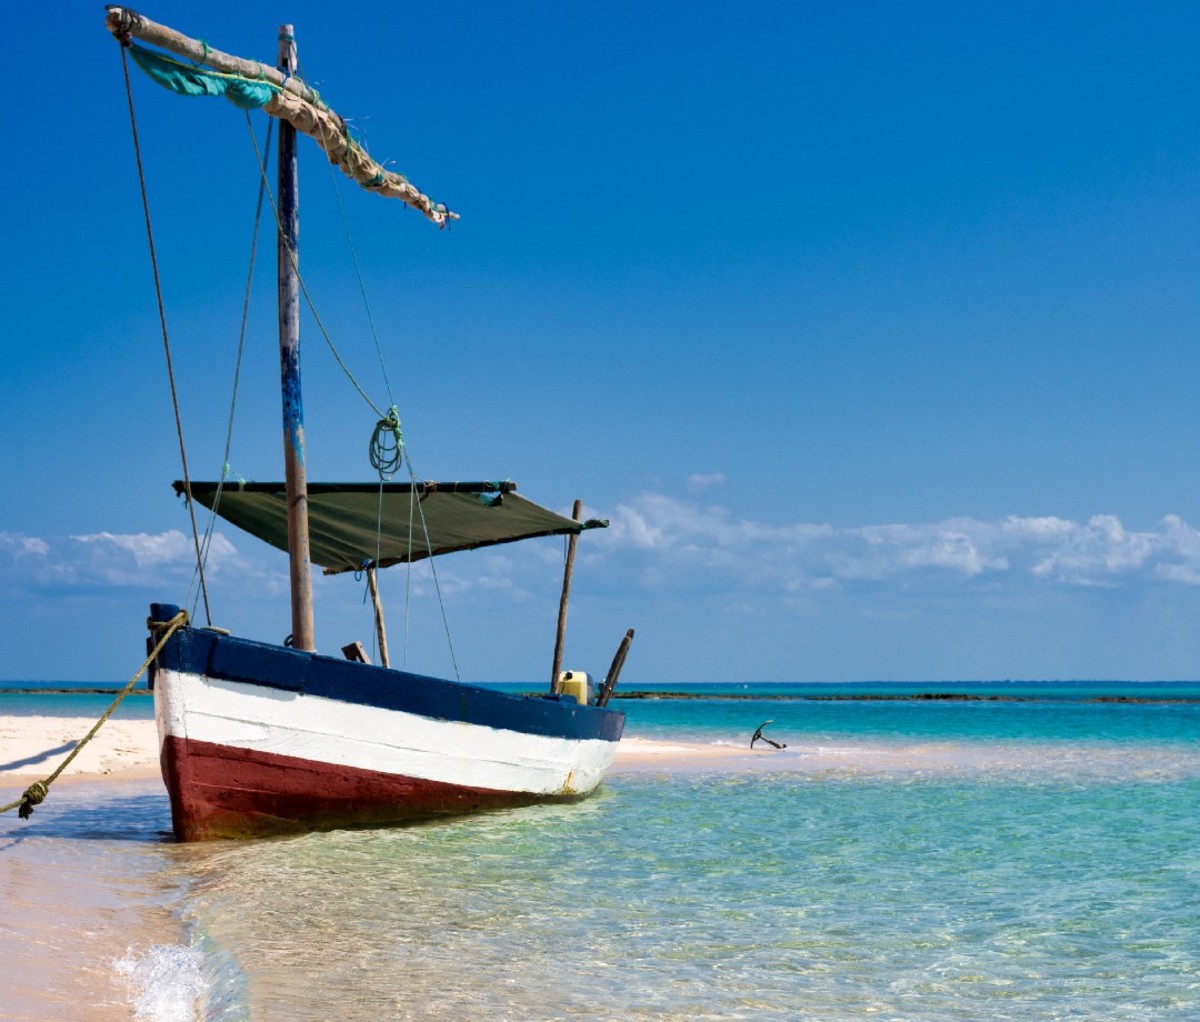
pixel 122 22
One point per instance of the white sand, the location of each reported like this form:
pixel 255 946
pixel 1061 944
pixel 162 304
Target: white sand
pixel 33 747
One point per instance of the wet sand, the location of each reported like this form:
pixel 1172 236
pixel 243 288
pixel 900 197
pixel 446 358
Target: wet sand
pixel 79 891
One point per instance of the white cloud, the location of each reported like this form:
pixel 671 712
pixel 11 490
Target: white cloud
pixel 145 549
pixel 670 541
pixel 17 546
pixel 692 548
pixel 107 559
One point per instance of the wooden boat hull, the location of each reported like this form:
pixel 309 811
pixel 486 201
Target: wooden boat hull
pixel 257 740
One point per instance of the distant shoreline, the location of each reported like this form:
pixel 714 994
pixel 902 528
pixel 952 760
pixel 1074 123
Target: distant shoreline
pixel 647 694
pixel 39 691
pixel 920 697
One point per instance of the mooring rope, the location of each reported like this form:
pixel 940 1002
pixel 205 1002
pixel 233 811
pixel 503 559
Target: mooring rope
pixel 37 791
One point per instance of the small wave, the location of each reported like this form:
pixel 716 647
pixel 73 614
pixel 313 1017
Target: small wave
pixel 166 982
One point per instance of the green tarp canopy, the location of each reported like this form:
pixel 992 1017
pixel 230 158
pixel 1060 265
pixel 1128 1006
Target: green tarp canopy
pixel 350 524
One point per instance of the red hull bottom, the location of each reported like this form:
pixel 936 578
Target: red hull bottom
pixel 218 791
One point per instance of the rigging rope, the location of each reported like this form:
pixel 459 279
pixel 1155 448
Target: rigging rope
pixel 37 791
pixel 384 419
pixel 237 369
pixel 386 458
pixel 408 566
pixel 432 569
pixel 362 287
pixel 304 289
pixel 162 317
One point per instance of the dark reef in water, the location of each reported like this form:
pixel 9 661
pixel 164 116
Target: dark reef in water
pixel 874 697
pixel 945 697
pixel 40 691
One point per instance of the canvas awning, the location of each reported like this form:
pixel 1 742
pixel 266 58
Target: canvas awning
pixel 350 523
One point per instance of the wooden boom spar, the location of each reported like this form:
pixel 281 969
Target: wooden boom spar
pixel 291 101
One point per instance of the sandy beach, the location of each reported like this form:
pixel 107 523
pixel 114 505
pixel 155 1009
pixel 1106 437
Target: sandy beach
pixel 33 747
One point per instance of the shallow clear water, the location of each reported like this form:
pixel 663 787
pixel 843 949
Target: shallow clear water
pixel 907 861
pixel 721 897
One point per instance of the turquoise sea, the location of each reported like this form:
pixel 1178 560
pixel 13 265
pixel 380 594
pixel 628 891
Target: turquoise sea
pixel 1030 854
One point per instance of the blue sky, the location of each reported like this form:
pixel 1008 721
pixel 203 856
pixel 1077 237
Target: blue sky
pixel 871 328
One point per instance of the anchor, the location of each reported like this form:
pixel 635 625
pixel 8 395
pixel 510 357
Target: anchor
pixel 760 737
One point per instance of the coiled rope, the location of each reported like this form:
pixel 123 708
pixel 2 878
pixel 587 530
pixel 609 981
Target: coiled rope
pixel 37 791
pixel 387 445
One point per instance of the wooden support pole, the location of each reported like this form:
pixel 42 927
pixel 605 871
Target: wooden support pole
pixel 614 672
pixel 380 631
pixel 576 514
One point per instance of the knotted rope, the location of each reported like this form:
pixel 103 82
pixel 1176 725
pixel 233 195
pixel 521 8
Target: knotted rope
pixel 37 791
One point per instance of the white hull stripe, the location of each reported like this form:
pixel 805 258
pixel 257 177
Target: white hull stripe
pixel 322 730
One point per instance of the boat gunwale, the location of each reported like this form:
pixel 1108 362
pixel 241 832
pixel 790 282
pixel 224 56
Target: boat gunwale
pixel 231 658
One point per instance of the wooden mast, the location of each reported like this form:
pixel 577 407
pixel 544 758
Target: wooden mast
pixel 288 252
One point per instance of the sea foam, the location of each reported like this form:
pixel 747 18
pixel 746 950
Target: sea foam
pixel 166 982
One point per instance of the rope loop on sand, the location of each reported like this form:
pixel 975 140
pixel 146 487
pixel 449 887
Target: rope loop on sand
pixel 36 793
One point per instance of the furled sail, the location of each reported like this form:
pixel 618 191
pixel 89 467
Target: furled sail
pixel 355 524
pixel 251 85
